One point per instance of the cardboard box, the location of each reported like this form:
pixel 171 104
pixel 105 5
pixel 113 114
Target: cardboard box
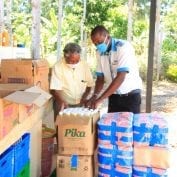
pixel 26 71
pixel 29 100
pixel 150 156
pixel 8 116
pixel 75 166
pixel 77 134
pixel 6 89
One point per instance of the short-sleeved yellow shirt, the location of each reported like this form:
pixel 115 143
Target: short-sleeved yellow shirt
pixel 72 82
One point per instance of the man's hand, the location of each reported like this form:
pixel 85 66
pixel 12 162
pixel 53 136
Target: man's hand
pixel 88 103
pixel 83 102
pixel 95 103
pixel 62 105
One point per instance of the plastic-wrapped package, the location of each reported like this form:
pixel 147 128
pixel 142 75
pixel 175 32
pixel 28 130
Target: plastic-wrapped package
pixel 150 129
pixel 115 129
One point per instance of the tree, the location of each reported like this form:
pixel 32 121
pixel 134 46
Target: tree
pixel 130 20
pixel 1 19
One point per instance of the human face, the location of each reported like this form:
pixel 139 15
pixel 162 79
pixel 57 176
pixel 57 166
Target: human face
pixel 72 58
pixel 101 44
pixel 98 39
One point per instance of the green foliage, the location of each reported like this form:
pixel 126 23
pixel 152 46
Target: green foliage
pixel 142 63
pixel 169 44
pixel 169 52
pixel 139 27
pixel 118 25
pixel 110 13
pixel 169 59
pixel 49 32
pixel 22 21
pixel 106 13
pixel 172 72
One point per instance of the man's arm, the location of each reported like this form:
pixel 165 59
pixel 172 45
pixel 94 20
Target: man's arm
pixel 85 95
pixel 115 84
pixel 99 83
pixel 57 94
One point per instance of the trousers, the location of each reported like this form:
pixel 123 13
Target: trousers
pixel 125 103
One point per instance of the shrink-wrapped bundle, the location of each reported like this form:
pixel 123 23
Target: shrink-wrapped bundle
pixel 111 170
pixel 116 129
pixel 140 171
pixel 150 129
pixel 117 156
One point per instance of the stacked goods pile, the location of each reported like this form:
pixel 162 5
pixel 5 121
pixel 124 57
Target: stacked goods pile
pixel 115 145
pixel 76 142
pixel 153 153
pixel 136 145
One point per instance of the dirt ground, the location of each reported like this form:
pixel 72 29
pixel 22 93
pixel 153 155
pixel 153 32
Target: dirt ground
pixel 164 97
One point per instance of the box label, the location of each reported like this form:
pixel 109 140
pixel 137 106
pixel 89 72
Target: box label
pixel 74 133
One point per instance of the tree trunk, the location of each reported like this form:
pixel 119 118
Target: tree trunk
pixel 60 19
pixel 35 29
pixel 83 33
pixel 157 47
pixel 130 20
pixel 8 20
pixel 1 19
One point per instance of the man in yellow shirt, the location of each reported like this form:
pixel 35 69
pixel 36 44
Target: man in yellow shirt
pixel 71 79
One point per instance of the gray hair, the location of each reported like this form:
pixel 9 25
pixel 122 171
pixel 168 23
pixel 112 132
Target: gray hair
pixel 72 48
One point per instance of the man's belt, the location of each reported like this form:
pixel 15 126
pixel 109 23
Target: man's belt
pixel 130 93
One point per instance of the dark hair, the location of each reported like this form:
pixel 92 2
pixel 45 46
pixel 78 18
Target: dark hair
pixel 72 48
pixel 99 29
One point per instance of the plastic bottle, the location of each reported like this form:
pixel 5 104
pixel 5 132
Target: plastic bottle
pixel 5 38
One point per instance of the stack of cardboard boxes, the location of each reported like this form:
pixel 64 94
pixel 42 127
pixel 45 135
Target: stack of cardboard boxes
pixel 19 105
pixel 16 76
pixel 25 71
pixel 76 143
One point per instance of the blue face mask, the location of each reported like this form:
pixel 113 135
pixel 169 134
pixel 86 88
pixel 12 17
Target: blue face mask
pixel 102 47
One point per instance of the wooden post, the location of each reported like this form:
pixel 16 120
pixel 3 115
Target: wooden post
pixel 35 29
pixel 150 56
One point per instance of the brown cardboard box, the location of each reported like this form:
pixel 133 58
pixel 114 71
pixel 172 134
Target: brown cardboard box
pixel 157 157
pixel 74 166
pixel 77 134
pixel 6 89
pixel 26 71
pixel 8 116
pixel 29 100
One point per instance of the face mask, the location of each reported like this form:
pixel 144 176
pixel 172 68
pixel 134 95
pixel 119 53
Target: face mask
pixel 102 47
pixel 73 66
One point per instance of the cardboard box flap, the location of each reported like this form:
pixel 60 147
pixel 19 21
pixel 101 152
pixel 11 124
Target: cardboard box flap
pixel 6 89
pixel 40 63
pixel 43 97
pixel 36 89
pixel 75 119
pixel 22 97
